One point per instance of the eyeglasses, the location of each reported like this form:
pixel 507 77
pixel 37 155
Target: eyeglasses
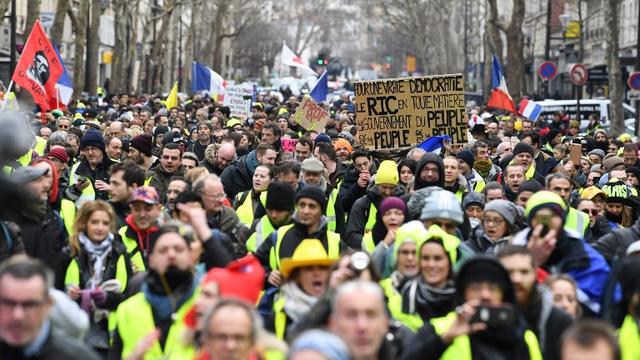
pixel 216 197
pixel 590 211
pixel 27 306
pixel 495 221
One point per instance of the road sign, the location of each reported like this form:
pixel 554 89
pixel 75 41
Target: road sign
pixel 547 70
pixel 578 74
pixel 634 80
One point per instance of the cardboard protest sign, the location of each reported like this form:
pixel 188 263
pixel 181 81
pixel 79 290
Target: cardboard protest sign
pixel 238 99
pixel 310 115
pixel 288 145
pixel 401 113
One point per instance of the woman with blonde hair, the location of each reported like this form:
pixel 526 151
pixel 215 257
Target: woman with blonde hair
pixel 94 269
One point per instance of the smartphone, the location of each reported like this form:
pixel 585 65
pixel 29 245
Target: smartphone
pixel 576 153
pixel 496 317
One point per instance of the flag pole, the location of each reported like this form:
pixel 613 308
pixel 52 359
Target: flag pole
pixel 57 98
pixel 6 95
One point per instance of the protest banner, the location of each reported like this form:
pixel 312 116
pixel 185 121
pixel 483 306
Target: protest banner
pixel 238 99
pixel 311 116
pixel 288 145
pixel 401 113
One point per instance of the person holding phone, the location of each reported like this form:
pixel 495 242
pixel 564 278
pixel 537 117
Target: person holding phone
pixel 486 324
pixel 558 250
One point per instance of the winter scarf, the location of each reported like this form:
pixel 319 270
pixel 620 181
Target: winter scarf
pixel 297 303
pixel 427 301
pixel 98 252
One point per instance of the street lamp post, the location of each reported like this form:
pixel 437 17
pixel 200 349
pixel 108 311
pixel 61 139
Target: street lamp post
pixel 12 51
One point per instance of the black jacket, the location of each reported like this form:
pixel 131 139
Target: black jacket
pixel 100 173
pixel 234 232
pixel 360 213
pixel 44 236
pixel 160 179
pixel 237 177
pixel 10 240
pixel 616 242
pixel 350 191
pixel 56 347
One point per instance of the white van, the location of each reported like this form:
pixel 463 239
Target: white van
pixel 587 107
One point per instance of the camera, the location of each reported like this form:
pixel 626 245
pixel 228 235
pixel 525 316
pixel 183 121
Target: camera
pixel 359 262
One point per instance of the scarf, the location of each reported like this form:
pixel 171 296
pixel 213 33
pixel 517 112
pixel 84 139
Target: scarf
pixel 297 303
pixel 163 304
pixel 427 301
pixel 97 252
pixel 483 167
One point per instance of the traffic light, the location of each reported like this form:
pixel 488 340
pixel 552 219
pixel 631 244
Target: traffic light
pixel 322 59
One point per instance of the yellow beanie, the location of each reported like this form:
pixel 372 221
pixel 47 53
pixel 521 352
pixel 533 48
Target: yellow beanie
pixel 387 173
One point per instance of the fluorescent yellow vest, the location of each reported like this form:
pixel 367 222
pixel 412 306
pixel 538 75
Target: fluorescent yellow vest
pixel 629 339
pixel 264 228
pixel 135 321
pixel 244 210
pixel 68 214
pixel 132 248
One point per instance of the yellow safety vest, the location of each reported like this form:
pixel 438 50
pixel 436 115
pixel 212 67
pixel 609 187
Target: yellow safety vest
pixel 245 210
pixel 68 214
pixel 72 277
pixel 577 221
pixel 480 185
pixel 394 304
pixel 264 228
pixel 280 319
pixel 367 239
pixel 331 210
pixel 88 194
pixel 367 242
pixel 460 348
pixel 135 321
pixel 333 243
pixel 137 261
pixel 629 339
pixel 40 145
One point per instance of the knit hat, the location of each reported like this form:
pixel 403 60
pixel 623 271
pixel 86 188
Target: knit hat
pixel 634 170
pixel 142 143
pixel 442 204
pixel 545 200
pixel 467 156
pixel 342 143
pixel 612 162
pixel 482 268
pixel 322 138
pixel 279 196
pixel 172 137
pixel 529 185
pixel 506 209
pixel 59 153
pixel 616 191
pixel 387 173
pixel 321 341
pixel 598 152
pixel 160 130
pixel 522 147
pixel 92 138
pixel 392 202
pixel 473 198
pixel 313 193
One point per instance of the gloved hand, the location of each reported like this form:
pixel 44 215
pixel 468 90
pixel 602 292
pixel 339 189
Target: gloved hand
pixel 85 301
pixel 98 296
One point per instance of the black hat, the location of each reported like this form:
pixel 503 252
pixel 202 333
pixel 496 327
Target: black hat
pixel 92 138
pixel 467 156
pixel 314 193
pixel 483 268
pixel 280 196
pixel 529 185
pixel 172 137
pixel 523 147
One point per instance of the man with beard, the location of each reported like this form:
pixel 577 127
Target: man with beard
pixel 535 302
pixel 170 166
pixel 429 171
pixel 140 225
pixel 147 323
pixel 278 208
pixel 204 139
pixel 125 177
pixel 140 151
pixel 601 140
pixel 88 179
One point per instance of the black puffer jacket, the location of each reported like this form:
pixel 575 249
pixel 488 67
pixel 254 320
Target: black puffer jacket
pixel 44 235
pixel 616 242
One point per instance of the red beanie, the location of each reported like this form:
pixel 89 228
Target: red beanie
pixel 59 153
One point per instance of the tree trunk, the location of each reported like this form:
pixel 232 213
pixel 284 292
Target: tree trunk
pixel 79 25
pixel 33 13
pixel 158 50
pixel 58 21
pixel 515 53
pixel 616 87
pixel 4 6
pixel 91 82
pixel 221 14
pixel 120 47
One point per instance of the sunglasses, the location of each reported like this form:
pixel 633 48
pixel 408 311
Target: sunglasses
pixel 592 211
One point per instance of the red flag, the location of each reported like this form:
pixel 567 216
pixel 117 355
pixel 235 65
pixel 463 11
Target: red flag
pixel 39 68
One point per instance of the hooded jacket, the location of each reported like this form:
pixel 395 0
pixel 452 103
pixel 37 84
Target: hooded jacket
pixel 360 213
pixel 429 158
pixel 238 176
pixel 43 234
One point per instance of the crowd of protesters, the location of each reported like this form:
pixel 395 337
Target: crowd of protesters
pixel 188 233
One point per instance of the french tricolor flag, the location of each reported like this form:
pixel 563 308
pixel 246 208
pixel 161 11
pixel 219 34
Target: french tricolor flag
pixel 500 98
pixel 529 109
pixel 64 87
pixel 206 80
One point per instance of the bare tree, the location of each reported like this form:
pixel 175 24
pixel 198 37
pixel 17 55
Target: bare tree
pixel 91 80
pixel 515 43
pixel 616 86
pixel 79 26
pixel 124 50
pixel 4 6
pixel 58 21
pixel 33 13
